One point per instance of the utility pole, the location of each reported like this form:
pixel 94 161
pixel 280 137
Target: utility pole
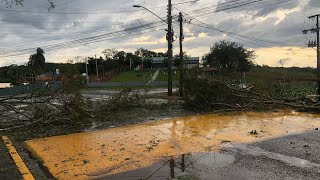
pixel 170 40
pixel 95 56
pixel 315 44
pixel 181 56
pixel 130 64
pixel 87 73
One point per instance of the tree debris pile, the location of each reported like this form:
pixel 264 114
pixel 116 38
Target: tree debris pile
pixel 123 100
pixel 65 107
pixel 203 92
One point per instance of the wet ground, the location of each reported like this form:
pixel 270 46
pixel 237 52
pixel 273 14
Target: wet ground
pixel 8 169
pixel 98 95
pixel 221 146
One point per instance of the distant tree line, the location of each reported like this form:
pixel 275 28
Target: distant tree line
pixel 112 59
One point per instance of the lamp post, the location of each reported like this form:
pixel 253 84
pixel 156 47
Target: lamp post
pixel 169 39
pixel 139 6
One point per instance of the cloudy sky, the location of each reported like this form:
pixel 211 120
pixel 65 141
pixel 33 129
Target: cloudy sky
pixel 86 27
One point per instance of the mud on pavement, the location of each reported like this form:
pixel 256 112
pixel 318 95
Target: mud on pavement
pixel 135 151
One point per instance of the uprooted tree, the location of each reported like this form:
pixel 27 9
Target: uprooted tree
pixel 222 92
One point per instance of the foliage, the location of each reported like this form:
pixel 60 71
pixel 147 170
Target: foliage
pixel 165 63
pixel 120 56
pixel 123 100
pixel 124 59
pixel 134 76
pixel 229 56
pixel 282 82
pixel 10 3
pixel 146 53
pixel 37 61
pixel 134 59
pixel 147 64
pixel 109 53
pixel 177 61
pixel 204 92
pixel 65 106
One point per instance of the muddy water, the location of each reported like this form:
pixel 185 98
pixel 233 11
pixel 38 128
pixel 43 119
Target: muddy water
pixel 137 151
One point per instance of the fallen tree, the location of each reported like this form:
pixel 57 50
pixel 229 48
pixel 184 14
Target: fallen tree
pixel 63 106
pixel 207 93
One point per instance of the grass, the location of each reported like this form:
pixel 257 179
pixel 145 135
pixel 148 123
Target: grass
pixel 282 82
pixel 134 76
pixel 288 74
pixel 144 76
pixel 163 75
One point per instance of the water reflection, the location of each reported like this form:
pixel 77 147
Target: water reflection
pixel 178 166
pixel 145 148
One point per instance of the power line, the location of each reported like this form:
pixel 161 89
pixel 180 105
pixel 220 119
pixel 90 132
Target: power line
pixel 91 32
pixel 87 40
pixel 52 12
pixel 226 32
pixel 222 9
pixel 237 36
pixel 87 13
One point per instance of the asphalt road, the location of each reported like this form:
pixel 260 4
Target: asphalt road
pixel 293 157
pixel 8 170
pixel 290 157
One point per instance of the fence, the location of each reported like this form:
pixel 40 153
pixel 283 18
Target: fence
pixel 107 76
pixel 26 89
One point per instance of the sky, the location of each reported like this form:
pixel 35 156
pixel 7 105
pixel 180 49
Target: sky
pixel 82 28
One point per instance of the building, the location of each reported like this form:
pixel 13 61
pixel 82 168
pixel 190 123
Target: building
pixel 158 62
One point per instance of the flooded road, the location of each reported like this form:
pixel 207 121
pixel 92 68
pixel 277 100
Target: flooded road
pixel 162 148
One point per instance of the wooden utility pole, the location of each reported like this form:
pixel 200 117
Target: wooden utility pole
pixel 181 37
pixel 95 56
pixel 170 53
pixel 169 39
pixel 315 44
pixel 87 72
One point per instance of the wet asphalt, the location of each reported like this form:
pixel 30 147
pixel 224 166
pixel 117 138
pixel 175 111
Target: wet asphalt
pixel 285 158
pixel 291 157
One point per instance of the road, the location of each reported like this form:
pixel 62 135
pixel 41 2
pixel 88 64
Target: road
pixel 223 149
pixel 290 157
pixel 105 94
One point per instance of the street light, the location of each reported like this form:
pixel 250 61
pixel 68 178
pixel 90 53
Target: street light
pixel 139 6
pixel 169 39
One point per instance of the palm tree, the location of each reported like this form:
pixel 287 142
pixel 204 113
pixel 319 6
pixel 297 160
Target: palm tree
pixel 37 61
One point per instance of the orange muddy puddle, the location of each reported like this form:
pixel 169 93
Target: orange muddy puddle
pixel 109 152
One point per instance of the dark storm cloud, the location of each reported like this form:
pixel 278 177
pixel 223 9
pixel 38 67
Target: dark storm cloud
pixel 33 30
pixel 278 29
pixel 260 8
pixel 314 3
